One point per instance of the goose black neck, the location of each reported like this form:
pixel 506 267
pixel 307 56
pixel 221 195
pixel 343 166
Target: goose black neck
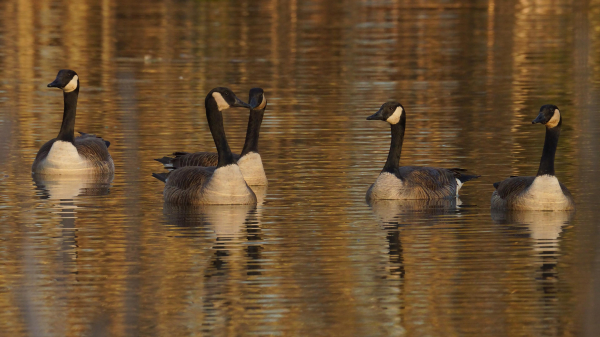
pixel 67 129
pixel 550 145
pixel 215 122
pixel 393 159
pixel 253 131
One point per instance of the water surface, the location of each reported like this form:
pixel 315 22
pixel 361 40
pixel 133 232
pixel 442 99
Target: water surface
pixel 79 258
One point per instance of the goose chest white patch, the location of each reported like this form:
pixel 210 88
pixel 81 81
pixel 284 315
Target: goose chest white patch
pixel 544 193
pixel 387 186
pixel 252 168
pixel 554 120
pixel 227 186
pixel 221 103
pixel 395 117
pixel 63 156
pixel 72 85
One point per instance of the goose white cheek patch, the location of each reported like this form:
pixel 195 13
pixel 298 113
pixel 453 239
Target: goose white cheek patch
pixel 72 84
pixel 221 103
pixel 554 120
pixel 263 103
pixel 395 117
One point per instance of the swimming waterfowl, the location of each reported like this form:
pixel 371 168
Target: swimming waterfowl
pixel 544 191
pixel 67 154
pixel 223 184
pixel 249 160
pixel 410 182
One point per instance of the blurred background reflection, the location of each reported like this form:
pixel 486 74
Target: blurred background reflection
pixel 313 258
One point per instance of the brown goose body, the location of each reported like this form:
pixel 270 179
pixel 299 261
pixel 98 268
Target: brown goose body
pixel 92 157
pixel 397 182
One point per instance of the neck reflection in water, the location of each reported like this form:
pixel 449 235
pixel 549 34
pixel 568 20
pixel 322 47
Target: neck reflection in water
pixel 544 229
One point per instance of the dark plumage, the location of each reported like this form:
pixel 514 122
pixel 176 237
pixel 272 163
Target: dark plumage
pixel 183 159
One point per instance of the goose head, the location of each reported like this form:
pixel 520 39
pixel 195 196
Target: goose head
pixel 225 99
pixel 66 80
pixel 549 115
pixel 257 100
pixel 390 112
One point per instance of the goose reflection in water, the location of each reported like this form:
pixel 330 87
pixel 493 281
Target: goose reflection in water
pixel 226 222
pixel 229 239
pixel 62 187
pixel 544 228
pixel 62 193
pixel 393 213
pixel 66 190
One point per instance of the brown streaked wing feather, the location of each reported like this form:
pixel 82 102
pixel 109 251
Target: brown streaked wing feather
pixel 431 181
pixel 184 159
pixel 92 148
pixel 513 186
pixel 183 185
pixel 188 177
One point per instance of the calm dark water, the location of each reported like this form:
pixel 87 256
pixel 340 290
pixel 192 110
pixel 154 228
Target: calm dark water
pixel 109 259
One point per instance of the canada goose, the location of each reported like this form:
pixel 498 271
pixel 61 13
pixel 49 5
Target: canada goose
pixel 410 182
pixel 249 160
pixel 544 191
pixel 65 154
pixel 224 184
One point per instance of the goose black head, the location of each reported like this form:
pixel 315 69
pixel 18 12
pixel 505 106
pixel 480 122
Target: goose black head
pixel 549 115
pixel 257 99
pixel 226 99
pixel 390 112
pixel 66 80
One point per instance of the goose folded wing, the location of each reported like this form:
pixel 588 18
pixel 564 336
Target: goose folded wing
pixel 433 181
pixel 183 159
pixel 513 186
pixel 189 177
pixel 92 148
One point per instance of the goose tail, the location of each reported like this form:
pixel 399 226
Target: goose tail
pixel 166 161
pixel 464 177
pixel 161 176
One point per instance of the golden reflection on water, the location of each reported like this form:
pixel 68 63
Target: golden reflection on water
pixel 313 257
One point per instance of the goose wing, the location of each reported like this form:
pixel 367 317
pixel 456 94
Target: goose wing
pixel 187 178
pixel 92 147
pixel 430 182
pixel 184 185
pixel 513 186
pixel 184 159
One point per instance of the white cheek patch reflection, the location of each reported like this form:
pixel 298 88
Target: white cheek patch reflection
pixel 221 103
pixel 395 117
pixel 263 104
pixel 72 84
pixel 554 120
